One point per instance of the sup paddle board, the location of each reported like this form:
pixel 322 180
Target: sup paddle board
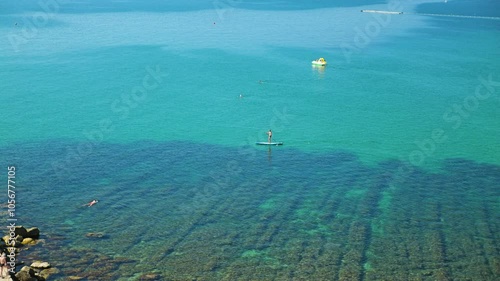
pixel 268 143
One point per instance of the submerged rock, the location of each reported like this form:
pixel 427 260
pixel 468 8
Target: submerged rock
pixel 45 273
pixel 29 270
pixel 95 235
pixel 40 264
pixel 25 276
pixel 150 277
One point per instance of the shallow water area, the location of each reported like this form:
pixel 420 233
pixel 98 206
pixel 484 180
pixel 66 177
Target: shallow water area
pixel 389 168
pixel 201 211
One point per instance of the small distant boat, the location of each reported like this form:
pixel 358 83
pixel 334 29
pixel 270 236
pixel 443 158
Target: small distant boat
pixel 320 61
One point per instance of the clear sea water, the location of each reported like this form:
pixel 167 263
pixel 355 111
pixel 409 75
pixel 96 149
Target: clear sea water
pixel 390 168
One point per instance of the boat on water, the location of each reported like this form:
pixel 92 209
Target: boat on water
pixel 320 61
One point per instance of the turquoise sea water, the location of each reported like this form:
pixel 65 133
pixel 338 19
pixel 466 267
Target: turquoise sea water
pixel 390 168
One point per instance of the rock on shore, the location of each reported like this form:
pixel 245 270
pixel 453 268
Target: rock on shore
pixel 23 236
pixel 39 270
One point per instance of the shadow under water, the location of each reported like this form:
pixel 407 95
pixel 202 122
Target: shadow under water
pixel 186 211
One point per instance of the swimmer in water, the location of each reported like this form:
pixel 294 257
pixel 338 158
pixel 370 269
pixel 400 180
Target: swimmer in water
pixel 91 203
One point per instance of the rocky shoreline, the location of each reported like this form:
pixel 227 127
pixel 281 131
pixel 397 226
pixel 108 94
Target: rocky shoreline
pixel 18 239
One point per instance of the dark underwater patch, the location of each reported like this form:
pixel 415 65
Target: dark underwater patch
pixel 183 209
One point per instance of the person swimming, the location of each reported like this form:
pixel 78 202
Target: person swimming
pixel 91 203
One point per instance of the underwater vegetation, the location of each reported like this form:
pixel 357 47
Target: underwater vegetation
pixel 168 212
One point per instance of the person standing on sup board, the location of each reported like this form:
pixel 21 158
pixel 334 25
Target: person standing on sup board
pixel 269 136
